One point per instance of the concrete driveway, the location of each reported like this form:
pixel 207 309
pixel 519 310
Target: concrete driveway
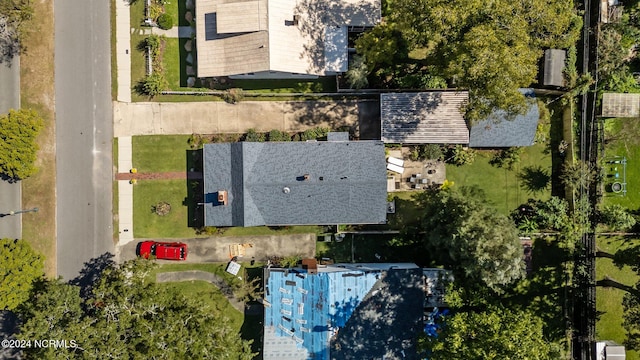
pixel 216 249
pixel 150 118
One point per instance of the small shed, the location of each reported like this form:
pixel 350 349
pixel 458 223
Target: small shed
pixel 620 105
pixel 609 350
pixel 554 61
pixel 430 117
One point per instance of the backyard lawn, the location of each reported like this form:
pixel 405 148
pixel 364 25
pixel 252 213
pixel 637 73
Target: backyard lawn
pixel 609 300
pixel 148 224
pixel 504 188
pixel 623 139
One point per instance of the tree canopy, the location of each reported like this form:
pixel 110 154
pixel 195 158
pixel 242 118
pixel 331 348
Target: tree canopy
pixel 127 316
pixel 491 48
pixel 14 15
pixel 495 333
pixel 470 237
pixel 18 147
pixel 21 266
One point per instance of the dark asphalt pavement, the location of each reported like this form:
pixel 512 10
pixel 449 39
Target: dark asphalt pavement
pixel 83 133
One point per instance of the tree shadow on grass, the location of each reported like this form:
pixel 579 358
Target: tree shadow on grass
pixel 534 179
pixel 545 291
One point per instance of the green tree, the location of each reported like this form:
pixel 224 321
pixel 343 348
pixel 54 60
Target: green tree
pixel 129 317
pixel 577 175
pixel 617 217
pixel 496 333
pixel 18 147
pixel 21 266
pixel 357 74
pixel 14 19
pixel 491 48
pixel 471 238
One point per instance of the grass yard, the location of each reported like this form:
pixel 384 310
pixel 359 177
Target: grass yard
pixel 266 230
pixel 623 139
pixel 37 92
pixel 365 248
pixel 148 224
pixel 114 59
pixel 504 188
pixel 609 300
pixel 160 153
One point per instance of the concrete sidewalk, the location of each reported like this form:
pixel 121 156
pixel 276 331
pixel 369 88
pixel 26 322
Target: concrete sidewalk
pixel 151 118
pixel 123 51
pixel 125 192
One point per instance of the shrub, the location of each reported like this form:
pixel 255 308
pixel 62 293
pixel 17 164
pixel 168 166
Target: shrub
pixel 162 208
pixel 153 84
pixel 460 156
pixel 431 152
pixel 253 136
pixel 277 135
pixel 165 21
pixel 233 95
pixel 313 134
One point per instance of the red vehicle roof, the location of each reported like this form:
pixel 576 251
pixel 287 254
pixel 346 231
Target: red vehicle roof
pixel 163 250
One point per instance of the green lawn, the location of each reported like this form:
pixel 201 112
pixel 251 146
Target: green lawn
pixel 160 153
pixel 171 62
pixel 266 230
pixel 609 300
pixel 623 139
pixel 365 247
pixel 147 224
pixel 503 188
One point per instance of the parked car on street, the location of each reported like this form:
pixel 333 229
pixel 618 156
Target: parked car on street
pixel 162 250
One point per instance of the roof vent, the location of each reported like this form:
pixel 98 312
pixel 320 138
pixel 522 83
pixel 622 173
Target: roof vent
pixel 306 177
pixel 286 190
pixel 321 178
pixel 296 19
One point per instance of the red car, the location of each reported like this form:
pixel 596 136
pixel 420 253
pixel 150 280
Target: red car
pixel 162 250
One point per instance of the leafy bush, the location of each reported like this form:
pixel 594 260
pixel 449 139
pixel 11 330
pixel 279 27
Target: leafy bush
pixel 277 135
pixel 196 141
pixel 459 155
pixel 312 134
pixel 153 84
pixel 165 21
pixel 357 74
pixel 253 136
pixel 233 95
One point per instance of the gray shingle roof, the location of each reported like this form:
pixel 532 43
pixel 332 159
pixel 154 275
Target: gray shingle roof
pixel 265 183
pixel 498 130
pixel 430 117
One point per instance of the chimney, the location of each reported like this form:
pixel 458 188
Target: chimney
pixel 296 19
pixel 222 197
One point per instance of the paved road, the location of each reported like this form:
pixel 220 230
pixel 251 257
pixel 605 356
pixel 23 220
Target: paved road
pixel 83 133
pixel 10 193
pixel 216 249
